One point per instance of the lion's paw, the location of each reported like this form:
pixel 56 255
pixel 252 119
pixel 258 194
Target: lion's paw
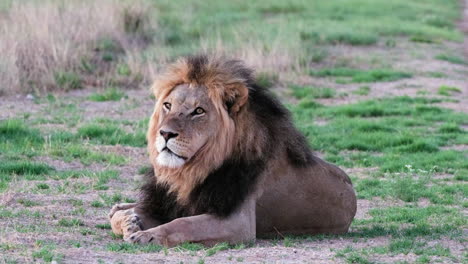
pixel 126 222
pixel 119 207
pixel 155 236
pixel 132 224
pixel 141 237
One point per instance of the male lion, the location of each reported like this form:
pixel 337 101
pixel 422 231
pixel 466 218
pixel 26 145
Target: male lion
pixel 229 165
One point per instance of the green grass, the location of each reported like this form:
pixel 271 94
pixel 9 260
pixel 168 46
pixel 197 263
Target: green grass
pixel 68 81
pixel 350 37
pixel 111 135
pixel 303 92
pixel 363 90
pixel 124 247
pixel 47 254
pixel 409 228
pixel 97 204
pixel 42 186
pixel 448 90
pixel 362 76
pixel 110 94
pixel 16 138
pixel 298 24
pixel 19 143
pixel 103 226
pixel 437 74
pixel 24 167
pixel 217 248
pixel 70 152
pixel 70 222
pixel 452 59
pixel 400 129
pixel 27 202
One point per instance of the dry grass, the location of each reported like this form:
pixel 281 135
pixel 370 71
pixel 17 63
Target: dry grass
pixel 59 46
pixel 56 46
pixel 273 58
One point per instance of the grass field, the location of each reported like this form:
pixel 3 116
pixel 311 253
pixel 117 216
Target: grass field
pixel 378 87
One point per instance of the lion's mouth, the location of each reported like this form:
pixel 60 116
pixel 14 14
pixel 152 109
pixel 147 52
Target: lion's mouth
pixel 173 153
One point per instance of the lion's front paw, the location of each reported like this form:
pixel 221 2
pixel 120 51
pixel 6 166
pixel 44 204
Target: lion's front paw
pixel 119 207
pixel 155 236
pixel 126 222
pixel 132 224
pixel 142 237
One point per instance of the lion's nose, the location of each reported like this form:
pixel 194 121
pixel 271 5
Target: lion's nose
pixel 167 134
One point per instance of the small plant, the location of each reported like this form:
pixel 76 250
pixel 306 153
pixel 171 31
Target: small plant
pixel 132 248
pixel 362 76
pixel 351 38
pixel 363 90
pixel 422 38
pixel 68 81
pixel 97 204
pixel 110 94
pixel 46 253
pixel 452 59
pixel 437 74
pixel 42 186
pixel 70 222
pixel 215 249
pixel 24 167
pixel 123 69
pixel 354 38
pixel 302 92
pixel 103 226
pixel 448 90
pixel 27 203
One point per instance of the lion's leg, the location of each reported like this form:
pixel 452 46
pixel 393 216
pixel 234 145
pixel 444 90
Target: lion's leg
pixel 206 229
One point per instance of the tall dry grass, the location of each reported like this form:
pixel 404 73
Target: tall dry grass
pixel 273 60
pixel 55 45
pixel 60 45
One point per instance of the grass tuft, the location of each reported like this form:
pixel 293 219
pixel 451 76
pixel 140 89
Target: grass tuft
pixel 448 90
pixel 24 167
pixel 362 76
pixel 68 81
pixel 452 59
pixel 111 135
pixel 304 92
pixel 110 94
pixel 132 248
pixel 363 90
pixel 70 222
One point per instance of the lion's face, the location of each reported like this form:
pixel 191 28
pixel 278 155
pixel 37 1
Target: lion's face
pixel 187 120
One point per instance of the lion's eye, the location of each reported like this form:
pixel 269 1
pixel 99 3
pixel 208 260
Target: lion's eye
pixel 198 111
pixel 167 106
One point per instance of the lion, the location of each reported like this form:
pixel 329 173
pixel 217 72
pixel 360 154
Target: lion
pixel 228 165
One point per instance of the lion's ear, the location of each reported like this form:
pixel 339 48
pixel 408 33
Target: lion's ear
pixel 237 96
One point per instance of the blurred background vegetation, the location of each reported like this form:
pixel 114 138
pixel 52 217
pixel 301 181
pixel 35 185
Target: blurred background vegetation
pixel 57 45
